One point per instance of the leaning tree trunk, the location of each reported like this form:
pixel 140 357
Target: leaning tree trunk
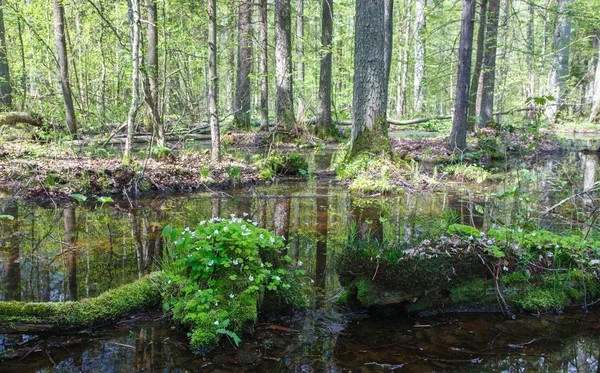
pixel 596 97
pixel 458 135
pixel 134 21
pixel 474 88
pixel 151 93
pixel 63 62
pixel 264 67
pixel 489 64
pixel 284 97
pixel 324 127
pixel 419 55
pixel 5 92
pixel 559 71
pixel 213 81
pixel 244 64
pixel 369 126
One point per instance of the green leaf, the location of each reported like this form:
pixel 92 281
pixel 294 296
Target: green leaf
pixel 104 199
pixel 233 277
pixel 287 258
pixel 78 197
pixel 7 217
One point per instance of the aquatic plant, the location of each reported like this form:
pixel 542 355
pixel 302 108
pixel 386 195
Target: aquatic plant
pixel 218 275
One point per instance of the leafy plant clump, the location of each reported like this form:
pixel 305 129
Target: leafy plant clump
pixel 218 275
pixel 282 164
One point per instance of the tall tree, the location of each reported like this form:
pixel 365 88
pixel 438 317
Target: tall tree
pixel 300 48
pixel 388 36
pixel 596 96
pixel 458 135
pixel 559 70
pixel 63 62
pixel 244 64
pixel 264 66
pixel 478 62
pixel 134 107
pixel 213 85
pixel 151 86
pixel 324 126
pixel 284 101
pixel 419 55
pixel 369 103
pixel 5 91
pixel 488 81
pixel 403 64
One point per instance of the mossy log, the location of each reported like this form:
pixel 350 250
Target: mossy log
pixel 110 306
pixel 14 117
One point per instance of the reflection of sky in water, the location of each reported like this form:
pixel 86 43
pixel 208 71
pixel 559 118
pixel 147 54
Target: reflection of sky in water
pixel 113 246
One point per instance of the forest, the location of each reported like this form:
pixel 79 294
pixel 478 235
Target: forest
pixel 306 185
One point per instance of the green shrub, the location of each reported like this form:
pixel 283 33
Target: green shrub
pixel 282 164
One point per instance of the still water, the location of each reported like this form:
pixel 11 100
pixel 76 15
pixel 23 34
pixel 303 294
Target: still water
pixel 75 251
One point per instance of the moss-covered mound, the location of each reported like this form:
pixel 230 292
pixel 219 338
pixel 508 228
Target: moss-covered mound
pixel 290 164
pixel 221 273
pixel 530 271
pixel 109 306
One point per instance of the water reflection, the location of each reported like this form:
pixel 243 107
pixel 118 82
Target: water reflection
pixel 10 250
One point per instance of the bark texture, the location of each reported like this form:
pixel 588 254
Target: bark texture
pixel 559 71
pixel 300 49
pixel 264 67
pixel 284 98
pixel 388 36
pixel 473 89
pixel 489 64
pixel 419 55
pixel 244 64
pixel 369 127
pixel 58 15
pixel 458 135
pixel 596 98
pixel 213 85
pixel 324 126
pixel 5 90
pixel 13 117
pixel 134 22
pixel 151 90
pixel 403 66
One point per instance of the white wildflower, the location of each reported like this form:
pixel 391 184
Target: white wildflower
pixel 490 242
pixel 208 237
pixel 231 296
pixel 505 268
pixel 550 255
pixel 244 227
pixel 197 248
pixel 232 216
pixel 261 236
pixel 533 234
pixel 203 222
pixel 594 261
pixel 245 214
pixel 216 322
pixel 272 240
pixel 211 263
pixel 251 278
pixel 470 238
pixel 235 262
pixel 255 223
pixel 277 278
pixel 225 228
pixel 300 263
pixel 216 232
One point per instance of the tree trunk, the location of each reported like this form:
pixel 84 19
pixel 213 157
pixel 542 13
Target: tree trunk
pixel 403 59
pixel 13 117
pixel 388 36
pixel 596 98
pixel 264 67
pixel 5 91
pixel 213 85
pixel 369 127
pixel 10 253
pixel 559 71
pixel 284 98
pixel 152 75
pixel 474 88
pixel 419 55
pixel 134 22
pixel 324 127
pixel 61 48
pixel 244 65
pixel 458 135
pixel 300 48
pixel 489 64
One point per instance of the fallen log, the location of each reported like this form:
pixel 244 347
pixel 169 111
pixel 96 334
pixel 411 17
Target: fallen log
pixel 14 117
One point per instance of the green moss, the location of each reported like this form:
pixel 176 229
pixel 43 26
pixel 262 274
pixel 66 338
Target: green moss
pixel 375 141
pixel 108 306
pixel 364 292
pixel 463 231
pixel 282 164
pixel 342 299
pixel 536 299
pixel 476 292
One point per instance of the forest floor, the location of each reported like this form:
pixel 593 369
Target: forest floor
pixel 36 170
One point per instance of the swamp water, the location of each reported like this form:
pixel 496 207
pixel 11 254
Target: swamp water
pixel 72 252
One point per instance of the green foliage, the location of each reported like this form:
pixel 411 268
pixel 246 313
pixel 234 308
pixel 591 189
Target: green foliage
pixel 78 197
pixel 217 276
pixel 234 174
pixel 464 231
pixel 282 164
pixel 368 174
pixel 476 292
pixel 469 172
